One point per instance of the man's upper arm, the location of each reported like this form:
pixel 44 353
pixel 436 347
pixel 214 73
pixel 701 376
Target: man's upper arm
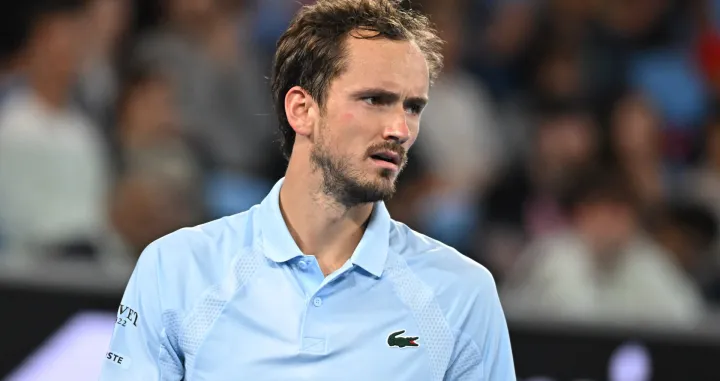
pixel 143 342
pixel 482 351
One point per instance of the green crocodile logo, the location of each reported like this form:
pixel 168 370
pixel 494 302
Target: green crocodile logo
pixel 395 341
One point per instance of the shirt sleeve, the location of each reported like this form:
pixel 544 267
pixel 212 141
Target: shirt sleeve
pixel 483 351
pixel 143 345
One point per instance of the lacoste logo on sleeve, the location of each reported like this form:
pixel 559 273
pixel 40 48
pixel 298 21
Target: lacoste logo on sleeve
pixel 395 340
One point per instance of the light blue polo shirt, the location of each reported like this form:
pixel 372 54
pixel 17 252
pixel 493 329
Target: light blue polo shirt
pixel 236 299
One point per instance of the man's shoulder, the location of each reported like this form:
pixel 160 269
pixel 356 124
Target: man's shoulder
pixel 186 263
pixel 208 247
pixel 440 266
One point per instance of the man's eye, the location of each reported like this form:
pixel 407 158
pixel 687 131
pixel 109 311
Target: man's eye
pixel 373 101
pixel 414 110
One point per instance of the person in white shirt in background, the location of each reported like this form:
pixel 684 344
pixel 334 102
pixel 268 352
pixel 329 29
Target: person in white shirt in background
pixel 604 268
pixel 54 174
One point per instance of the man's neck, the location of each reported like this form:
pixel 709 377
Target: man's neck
pixel 319 225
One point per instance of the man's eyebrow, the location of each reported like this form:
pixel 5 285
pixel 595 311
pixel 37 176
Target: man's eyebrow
pixel 388 95
pixel 376 92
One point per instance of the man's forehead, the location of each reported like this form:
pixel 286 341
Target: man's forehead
pixel 397 66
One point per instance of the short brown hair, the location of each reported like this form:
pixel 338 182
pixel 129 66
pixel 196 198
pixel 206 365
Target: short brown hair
pixel 311 53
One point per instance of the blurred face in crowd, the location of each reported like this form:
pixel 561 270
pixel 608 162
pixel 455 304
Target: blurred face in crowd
pixel 606 224
pixel 634 18
pixel 108 20
pixel 152 198
pixel 511 25
pixel 560 75
pixel 635 129
pixel 564 144
pixel 370 119
pixel 58 45
pixel 198 15
pixel 148 115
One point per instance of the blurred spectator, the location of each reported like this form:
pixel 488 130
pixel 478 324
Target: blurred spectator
pixel 460 144
pixel 702 184
pixel 460 139
pixel 499 30
pixel 619 30
pixel 634 20
pixel 554 60
pixel 559 74
pixel 567 22
pixel 636 144
pixel 159 188
pixel 524 203
pixel 205 50
pixel 53 166
pixel 603 268
pixel 98 85
pixel 689 232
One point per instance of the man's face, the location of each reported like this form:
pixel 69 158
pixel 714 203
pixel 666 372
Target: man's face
pixel 370 120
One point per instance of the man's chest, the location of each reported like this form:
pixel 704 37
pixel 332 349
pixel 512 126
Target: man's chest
pixel 337 336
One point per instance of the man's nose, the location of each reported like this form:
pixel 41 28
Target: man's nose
pixel 398 130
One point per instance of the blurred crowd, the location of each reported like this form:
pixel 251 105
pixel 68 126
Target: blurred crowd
pixel 571 147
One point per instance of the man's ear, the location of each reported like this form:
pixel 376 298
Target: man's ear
pixel 299 106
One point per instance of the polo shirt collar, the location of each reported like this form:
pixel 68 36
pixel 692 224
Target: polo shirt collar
pixel 279 245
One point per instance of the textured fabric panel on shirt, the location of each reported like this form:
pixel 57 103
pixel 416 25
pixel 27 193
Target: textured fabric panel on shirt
pixel 467 361
pixel 202 316
pixel 171 368
pixel 420 299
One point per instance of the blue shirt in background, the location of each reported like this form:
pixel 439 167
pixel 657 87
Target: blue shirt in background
pixel 236 299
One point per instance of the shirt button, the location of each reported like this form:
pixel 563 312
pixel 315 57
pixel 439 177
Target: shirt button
pixel 302 265
pixel 317 302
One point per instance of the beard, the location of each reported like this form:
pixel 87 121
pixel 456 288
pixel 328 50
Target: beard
pixel 347 185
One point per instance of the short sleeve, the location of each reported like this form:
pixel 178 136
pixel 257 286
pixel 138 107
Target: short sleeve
pixel 144 341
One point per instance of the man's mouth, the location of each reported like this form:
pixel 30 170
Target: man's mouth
pixel 387 156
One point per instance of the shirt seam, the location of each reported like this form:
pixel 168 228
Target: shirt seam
pixel 434 300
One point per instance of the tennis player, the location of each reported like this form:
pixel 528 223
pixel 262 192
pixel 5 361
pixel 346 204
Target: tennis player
pixel 317 282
